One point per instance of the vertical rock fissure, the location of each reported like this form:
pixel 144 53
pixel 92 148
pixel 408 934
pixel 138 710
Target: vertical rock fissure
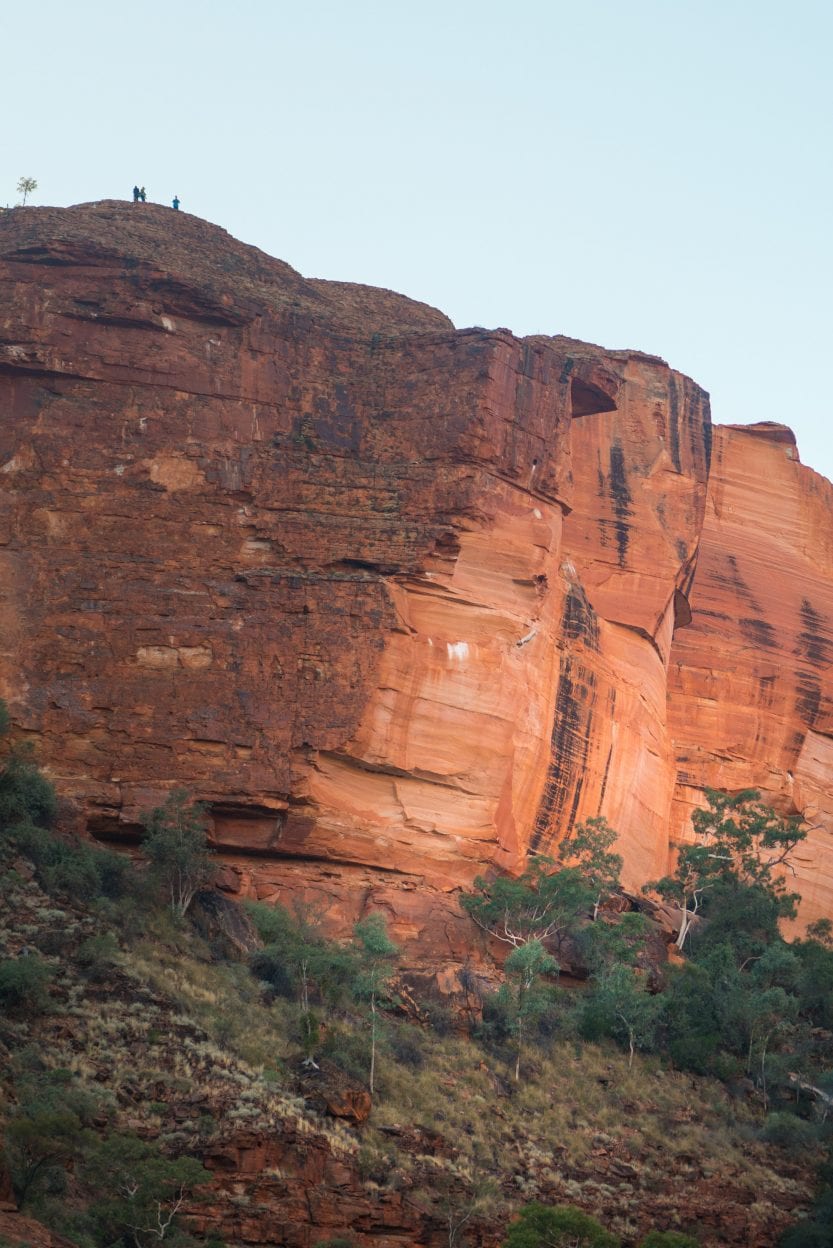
pixel 621 497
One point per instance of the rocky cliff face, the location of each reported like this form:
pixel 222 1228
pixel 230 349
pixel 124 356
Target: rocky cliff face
pixel 750 686
pixel 397 601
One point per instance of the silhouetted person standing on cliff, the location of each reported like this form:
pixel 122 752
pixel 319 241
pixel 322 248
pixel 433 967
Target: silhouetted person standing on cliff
pixel 176 203
pixel 142 195
pixel 135 194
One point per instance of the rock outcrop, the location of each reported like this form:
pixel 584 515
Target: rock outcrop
pixel 750 685
pixel 396 600
pixel 630 542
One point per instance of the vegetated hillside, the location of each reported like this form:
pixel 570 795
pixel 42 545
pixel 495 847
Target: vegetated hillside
pixel 147 1071
pixel 168 1043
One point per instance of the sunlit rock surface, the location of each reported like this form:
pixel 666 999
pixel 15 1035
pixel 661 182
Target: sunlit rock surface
pixel 751 688
pixel 630 543
pixel 395 600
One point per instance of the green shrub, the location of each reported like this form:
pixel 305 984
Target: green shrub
pixel 298 962
pixel 117 877
pixel 23 983
pixel 133 1188
pixel 71 873
pixel 406 1047
pixel 48 1131
pixel 813 1233
pixel 539 1226
pixel 441 1019
pixel 788 1131
pixel 26 796
pixel 39 1145
pixel 127 915
pixel 96 955
pixel 347 1050
pixel 668 1239
pixel 496 1028
pixel 271 967
pixel 71 868
pixel 273 923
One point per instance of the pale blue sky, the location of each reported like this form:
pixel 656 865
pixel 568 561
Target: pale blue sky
pixel 652 174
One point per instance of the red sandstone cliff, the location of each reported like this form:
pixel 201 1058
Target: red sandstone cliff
pixel 750 685
pixel 396 600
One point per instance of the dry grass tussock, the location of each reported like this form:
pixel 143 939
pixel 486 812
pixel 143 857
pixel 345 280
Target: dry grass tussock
pixel 160 1026
pixel 582 1101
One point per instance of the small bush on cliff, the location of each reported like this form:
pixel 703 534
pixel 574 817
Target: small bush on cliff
pixel 26 797
pixel 96 956
pixel 668 1239
pixel 544 904
pixel 28 807
pixel 70 868
pixel 25 187
pixel 539 1226
pixel 138 1192
pixel 742 853
pixel 175 841
pixel 299 963
pixel 789 1132
pixel 23 984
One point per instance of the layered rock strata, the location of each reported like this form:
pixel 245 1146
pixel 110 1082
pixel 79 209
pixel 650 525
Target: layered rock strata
pixel 395 600
pixel 751 686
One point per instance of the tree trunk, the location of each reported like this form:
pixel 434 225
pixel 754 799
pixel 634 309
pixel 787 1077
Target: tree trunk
pixel 304 987
pixel 520 1043
pixel 763 1073
pixel 372 1040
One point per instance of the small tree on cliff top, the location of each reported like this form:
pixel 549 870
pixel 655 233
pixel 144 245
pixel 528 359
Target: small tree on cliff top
pixel 25 186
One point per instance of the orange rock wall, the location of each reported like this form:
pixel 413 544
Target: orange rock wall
pixel 395 600
pixel 750 684
pixel 639 481
pixel 280 560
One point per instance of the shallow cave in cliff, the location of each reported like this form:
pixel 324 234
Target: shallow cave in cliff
pixel 588 400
